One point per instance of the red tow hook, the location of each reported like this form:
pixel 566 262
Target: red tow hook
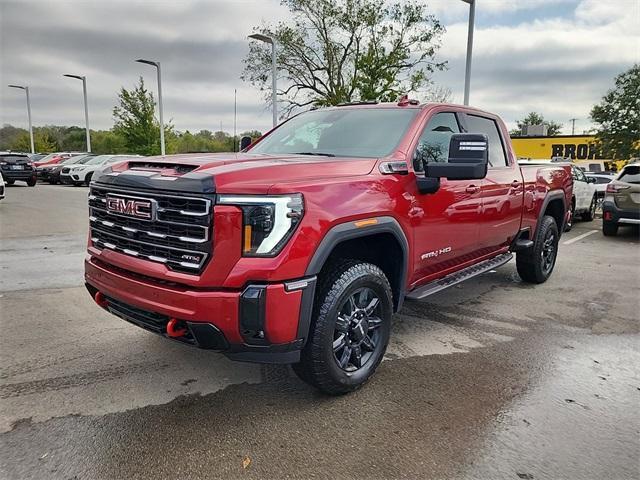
pixel 173 330
pixel 100 299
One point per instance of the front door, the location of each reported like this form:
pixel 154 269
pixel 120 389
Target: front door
pixel 445 222
pixel 502 189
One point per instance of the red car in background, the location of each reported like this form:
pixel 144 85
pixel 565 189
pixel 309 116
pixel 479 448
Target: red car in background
pixel 55 158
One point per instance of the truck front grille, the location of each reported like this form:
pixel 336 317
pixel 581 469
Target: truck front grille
pixel 177 234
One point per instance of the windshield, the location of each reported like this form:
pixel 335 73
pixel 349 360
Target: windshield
pixel 100 159
pixel 346 132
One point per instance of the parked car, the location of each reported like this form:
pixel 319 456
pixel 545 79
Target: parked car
pixel 585 197
pixel 621 204
pixel 1 186
pixel 55 158
pixel 51 173
pixel 601 182
pixel 34 157
pixel 81 174
pixel 17 166
pixel 300 249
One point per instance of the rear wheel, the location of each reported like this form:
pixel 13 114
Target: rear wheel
pixel 609 229
pixel 350 328
pixel 536 264
pixel 590 214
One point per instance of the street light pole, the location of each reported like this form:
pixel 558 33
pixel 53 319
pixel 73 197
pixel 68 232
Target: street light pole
pixel 467 73
pixel 86 106
pixel 157 65
pixel 26 89
pixel 274 71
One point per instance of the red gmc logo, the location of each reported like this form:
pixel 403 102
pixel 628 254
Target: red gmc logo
pixel 130 206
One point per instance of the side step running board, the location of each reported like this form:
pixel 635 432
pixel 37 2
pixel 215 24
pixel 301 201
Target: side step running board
pixel 457 277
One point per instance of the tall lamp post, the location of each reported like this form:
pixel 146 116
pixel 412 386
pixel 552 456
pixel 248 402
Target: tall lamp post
pixel 86 106
pixel 467 73
pixel 274 94
pixel 157 65
pixel 26 89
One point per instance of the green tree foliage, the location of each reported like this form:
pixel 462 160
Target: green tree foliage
pixel 618 117
pixel 534 118
pixel 335 51
pixel 42 141
pixel 134 120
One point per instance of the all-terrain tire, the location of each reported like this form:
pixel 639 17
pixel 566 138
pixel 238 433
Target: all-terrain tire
pixel 536 264
pixel 337 284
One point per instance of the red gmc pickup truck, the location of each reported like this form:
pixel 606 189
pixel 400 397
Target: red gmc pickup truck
pixel 300 249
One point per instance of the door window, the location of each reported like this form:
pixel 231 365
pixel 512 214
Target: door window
pixel 476 124
pixel 433 145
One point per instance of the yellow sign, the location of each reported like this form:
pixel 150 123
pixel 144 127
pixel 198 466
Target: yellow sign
pixel 575 147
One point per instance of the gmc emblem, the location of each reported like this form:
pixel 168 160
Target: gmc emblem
pixel 131 207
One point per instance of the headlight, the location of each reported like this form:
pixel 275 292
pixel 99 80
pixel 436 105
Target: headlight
pixel 76 169
pixel 267 221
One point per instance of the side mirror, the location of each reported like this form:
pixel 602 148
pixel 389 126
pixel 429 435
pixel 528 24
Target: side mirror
pixel 468 158
pixel 245 142
pixel 591 180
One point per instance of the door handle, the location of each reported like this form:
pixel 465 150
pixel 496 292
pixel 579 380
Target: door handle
pixel 515 184
pixel 472 189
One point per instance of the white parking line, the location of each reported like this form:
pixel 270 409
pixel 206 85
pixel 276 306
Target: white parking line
pixel 580 237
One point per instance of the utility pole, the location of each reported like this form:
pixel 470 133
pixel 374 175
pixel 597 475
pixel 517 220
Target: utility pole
pixel 573 125
pixel 157 65
pixel 26 90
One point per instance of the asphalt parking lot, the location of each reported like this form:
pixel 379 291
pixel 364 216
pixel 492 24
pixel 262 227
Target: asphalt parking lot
pixel 490 379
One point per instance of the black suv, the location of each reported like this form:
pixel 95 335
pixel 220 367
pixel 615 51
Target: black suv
pixel 17 166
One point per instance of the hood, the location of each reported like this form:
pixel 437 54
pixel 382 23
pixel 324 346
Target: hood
pixel 231 172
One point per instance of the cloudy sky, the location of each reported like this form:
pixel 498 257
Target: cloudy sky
pixel 557 57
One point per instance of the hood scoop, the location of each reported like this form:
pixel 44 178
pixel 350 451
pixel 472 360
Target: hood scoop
pixel 160 176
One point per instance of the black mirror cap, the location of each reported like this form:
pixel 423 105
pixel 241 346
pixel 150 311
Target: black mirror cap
pixel 245 142
pixel 469 148
pixel 468 158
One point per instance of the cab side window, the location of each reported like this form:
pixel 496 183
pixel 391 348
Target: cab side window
pixel 433 145
pixel 476 124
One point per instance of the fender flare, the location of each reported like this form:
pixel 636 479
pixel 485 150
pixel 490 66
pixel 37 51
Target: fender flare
pixel 553 195
pixel 348 231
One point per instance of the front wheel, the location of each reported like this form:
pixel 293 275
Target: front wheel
pixel 536 264
pixel 350 328
pixel 87 179
pixel 32 182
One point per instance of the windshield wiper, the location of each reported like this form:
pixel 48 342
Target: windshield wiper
pixel 320 154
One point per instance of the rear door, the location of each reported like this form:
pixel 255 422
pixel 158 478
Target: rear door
pixel 502 190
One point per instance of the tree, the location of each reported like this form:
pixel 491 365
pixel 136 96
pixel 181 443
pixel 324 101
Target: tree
pixel 618 117
pixel 135 121
pixel 336 51
pixel 42 142
pixel 534 118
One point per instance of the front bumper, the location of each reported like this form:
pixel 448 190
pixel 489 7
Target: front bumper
pixel 261 323
pixel 612 213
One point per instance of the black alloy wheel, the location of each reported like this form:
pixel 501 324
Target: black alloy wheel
pixel 357 332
